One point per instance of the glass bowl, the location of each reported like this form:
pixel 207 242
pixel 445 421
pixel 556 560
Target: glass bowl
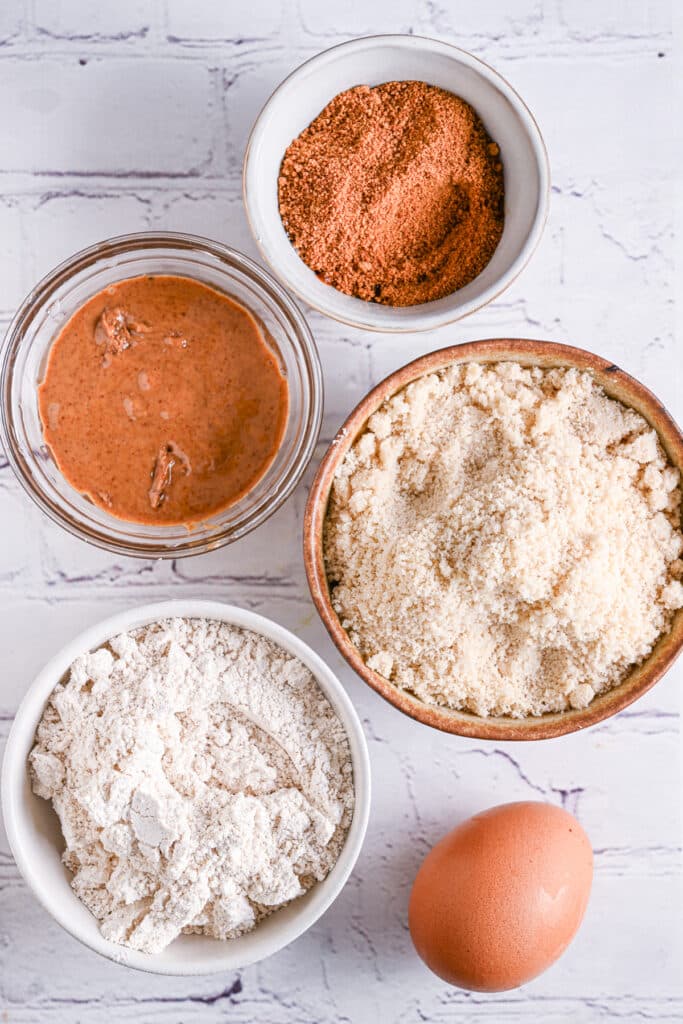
pixel 71 284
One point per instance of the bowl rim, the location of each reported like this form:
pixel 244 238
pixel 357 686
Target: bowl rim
pixel 420 321
pixel 21 738
pixel 528 352
pixel 120 246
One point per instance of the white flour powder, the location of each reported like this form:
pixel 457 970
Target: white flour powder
pixel 201 778
pixel 505 540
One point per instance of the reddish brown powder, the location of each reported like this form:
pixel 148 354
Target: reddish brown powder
pixel 394 193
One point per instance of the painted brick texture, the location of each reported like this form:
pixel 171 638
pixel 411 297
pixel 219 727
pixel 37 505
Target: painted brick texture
pixel 134 115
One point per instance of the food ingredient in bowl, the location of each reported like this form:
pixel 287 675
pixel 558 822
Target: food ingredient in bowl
pixel 163 401
pixel 500 898
pixel 505 540
pixel 394 194
pixel 201 778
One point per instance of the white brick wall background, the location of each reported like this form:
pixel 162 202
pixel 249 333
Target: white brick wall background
pixel 134 114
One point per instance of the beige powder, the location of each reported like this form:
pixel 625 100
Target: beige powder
pixel 201 778
pixel 505 540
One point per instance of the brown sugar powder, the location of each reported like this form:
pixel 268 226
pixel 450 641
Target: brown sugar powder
pixel 394 194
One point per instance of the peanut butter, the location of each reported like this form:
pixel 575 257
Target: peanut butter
pixel 162 400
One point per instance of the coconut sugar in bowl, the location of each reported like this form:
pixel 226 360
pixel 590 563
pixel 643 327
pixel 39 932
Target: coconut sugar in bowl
pixel 643 641
pixel 447 75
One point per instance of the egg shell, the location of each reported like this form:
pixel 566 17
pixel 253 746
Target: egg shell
pixel 500 898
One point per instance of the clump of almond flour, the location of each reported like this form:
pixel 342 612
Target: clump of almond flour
pixel 505 540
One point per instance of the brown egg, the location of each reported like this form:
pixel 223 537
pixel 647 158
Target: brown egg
pixel 501 896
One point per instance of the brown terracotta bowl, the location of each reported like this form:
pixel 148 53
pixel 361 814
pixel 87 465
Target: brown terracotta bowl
pixel 618 385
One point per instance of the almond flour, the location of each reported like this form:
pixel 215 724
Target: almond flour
pixel 505 540
pixel 201 778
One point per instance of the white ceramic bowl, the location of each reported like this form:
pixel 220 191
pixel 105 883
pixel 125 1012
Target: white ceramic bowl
pixel 36 840
pixel 371 61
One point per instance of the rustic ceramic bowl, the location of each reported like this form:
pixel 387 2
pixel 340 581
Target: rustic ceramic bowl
pixel 618 385
pixel 371 61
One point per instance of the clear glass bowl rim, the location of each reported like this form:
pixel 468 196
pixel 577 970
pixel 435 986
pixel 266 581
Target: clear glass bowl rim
pixel 273 294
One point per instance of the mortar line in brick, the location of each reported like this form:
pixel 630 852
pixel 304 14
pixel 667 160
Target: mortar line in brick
pixel 617 47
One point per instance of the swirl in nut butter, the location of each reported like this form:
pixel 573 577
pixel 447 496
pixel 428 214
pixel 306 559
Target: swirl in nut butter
pixel 162 400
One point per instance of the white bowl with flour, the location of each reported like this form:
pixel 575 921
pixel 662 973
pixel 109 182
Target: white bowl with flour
pixel 37 842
